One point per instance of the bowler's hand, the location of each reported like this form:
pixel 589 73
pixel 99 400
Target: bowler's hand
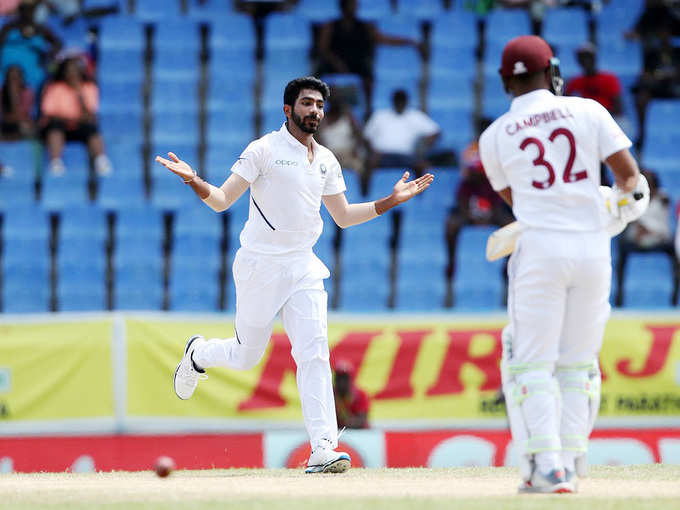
pixel 404 191
pixel 177 166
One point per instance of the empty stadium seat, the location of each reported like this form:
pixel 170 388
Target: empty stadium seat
pixel 374 9
pixel 20 159
pixel 232 32
pixel 287 31
pixel 505 24
pixel 157 10
pixel 83 223
pixel 318 12
pixel 64 190
pixel 81 284
pixel 455 28
pixel 121 32
pixel 26 223
pixel 421 9
pixel 565 25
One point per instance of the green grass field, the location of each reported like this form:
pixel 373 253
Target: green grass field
pixel 633 487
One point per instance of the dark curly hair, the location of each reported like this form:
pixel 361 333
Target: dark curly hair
pixel 294 87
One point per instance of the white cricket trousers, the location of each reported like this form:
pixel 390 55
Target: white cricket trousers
pixel 291 285
pixel 558 302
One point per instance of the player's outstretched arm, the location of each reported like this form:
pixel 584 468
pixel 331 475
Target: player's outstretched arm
pixel 346 214
pixel 218 199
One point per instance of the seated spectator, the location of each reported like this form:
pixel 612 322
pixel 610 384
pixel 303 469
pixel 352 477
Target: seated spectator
pixel 651 232
pixel 603 87
pixel 347 45
pixel 69 113
pixel 400 136
pixel 476 204
pixel 28 44
pixel 660 77
pixel 351 404
pixel 341 133
pixel 16 106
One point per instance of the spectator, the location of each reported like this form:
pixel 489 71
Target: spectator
pixel 69 113
pixel 400 136
pixel 347 45
pixel 650 233
pixel 28 44
pixel 657 14
pixel 603 87
pixel 660 77
pixel 16 106
pixel 476 204
pixel 8 7
pixel 341 133
pixel 351 404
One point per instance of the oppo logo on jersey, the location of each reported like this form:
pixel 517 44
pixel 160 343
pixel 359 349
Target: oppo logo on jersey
pixel 535 120
pixel 285 162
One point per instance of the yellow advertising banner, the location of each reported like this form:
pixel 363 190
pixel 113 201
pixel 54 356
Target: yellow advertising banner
pixel 55 370
pixel 434 369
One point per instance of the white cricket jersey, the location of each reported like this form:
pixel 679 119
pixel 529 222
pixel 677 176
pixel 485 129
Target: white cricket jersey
pixel 548 150
pixel 285 192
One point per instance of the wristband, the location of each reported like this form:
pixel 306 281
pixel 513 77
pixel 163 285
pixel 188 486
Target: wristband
pixel 190 180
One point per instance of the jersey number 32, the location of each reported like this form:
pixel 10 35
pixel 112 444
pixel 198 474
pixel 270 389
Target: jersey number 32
pixel 567 175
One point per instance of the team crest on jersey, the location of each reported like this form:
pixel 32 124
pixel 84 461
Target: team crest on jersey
pixel 323 169
pixel 519 68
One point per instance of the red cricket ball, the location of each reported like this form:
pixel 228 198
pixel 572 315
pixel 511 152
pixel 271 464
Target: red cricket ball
pixel 164 466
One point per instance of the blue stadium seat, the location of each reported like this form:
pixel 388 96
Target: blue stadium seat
pixel 451 91
pixel 179 35
pixel 662 115
pixel 566 53
pixel 15 192
pixel 157 10
pixel 84 222
pixel 119 191
pixel 364 293
pixel 219 159
pixel 25 297
pixel 616 18
pixel 397 62
pixel 116 95
pixel 456 125
pixel 101 4
pixel 21 158
pixel 621 57
pixel 226 92
pixel 174 127
pixel 565 25
pixel 230 126
pixel 648 281
pixel 385 86
pixel 18 252
pixel 195 291
pixel 175 95
pixel 233 32
pixel 125 65
pixel 505 24
pixel 286 61
pixel 374 9
pixel 25 223
pixel 135 224
pixel 286 31
pixel 81 284
pixel 198 220
pixel 419 292
pixel 318 12
pixel 121 32
pixel 211 10
pixel 63 191
pixel 399 25
pixel 455 29
pixel 236 68
pixel 125 125
pixel 168 193
pixel 453 61
pixel 139 286
pixel 421 9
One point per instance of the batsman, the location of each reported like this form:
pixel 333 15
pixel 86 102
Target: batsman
pixel 543 157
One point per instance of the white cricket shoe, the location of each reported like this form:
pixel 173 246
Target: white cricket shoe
pixel 554 482
pixel 186 376
pixel 326 460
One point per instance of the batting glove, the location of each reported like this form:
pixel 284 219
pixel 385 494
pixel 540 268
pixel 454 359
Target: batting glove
pixel 629 206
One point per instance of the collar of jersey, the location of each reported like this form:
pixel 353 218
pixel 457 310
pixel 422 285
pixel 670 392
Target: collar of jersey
pixel 521 102
pixel 295 142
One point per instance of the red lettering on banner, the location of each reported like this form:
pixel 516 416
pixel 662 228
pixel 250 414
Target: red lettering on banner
pixel 399 382
pixel 458 354
pixel 353 347
pixel 662 338
pixel 267 392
